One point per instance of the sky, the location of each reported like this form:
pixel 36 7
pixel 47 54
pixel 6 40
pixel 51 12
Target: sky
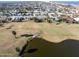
pixel 74 2
pixel 39 0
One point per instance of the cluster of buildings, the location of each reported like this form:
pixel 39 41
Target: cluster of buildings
pixel 34 9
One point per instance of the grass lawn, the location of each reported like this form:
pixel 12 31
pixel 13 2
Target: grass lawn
pixel 49 32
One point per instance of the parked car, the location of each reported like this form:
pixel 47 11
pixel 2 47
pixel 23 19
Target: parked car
pixel 76 19
pixel 40 18
pixel 3 19
pixel 16 18
pixel 53 19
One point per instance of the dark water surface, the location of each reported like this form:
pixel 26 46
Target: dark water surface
pixel 42 48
